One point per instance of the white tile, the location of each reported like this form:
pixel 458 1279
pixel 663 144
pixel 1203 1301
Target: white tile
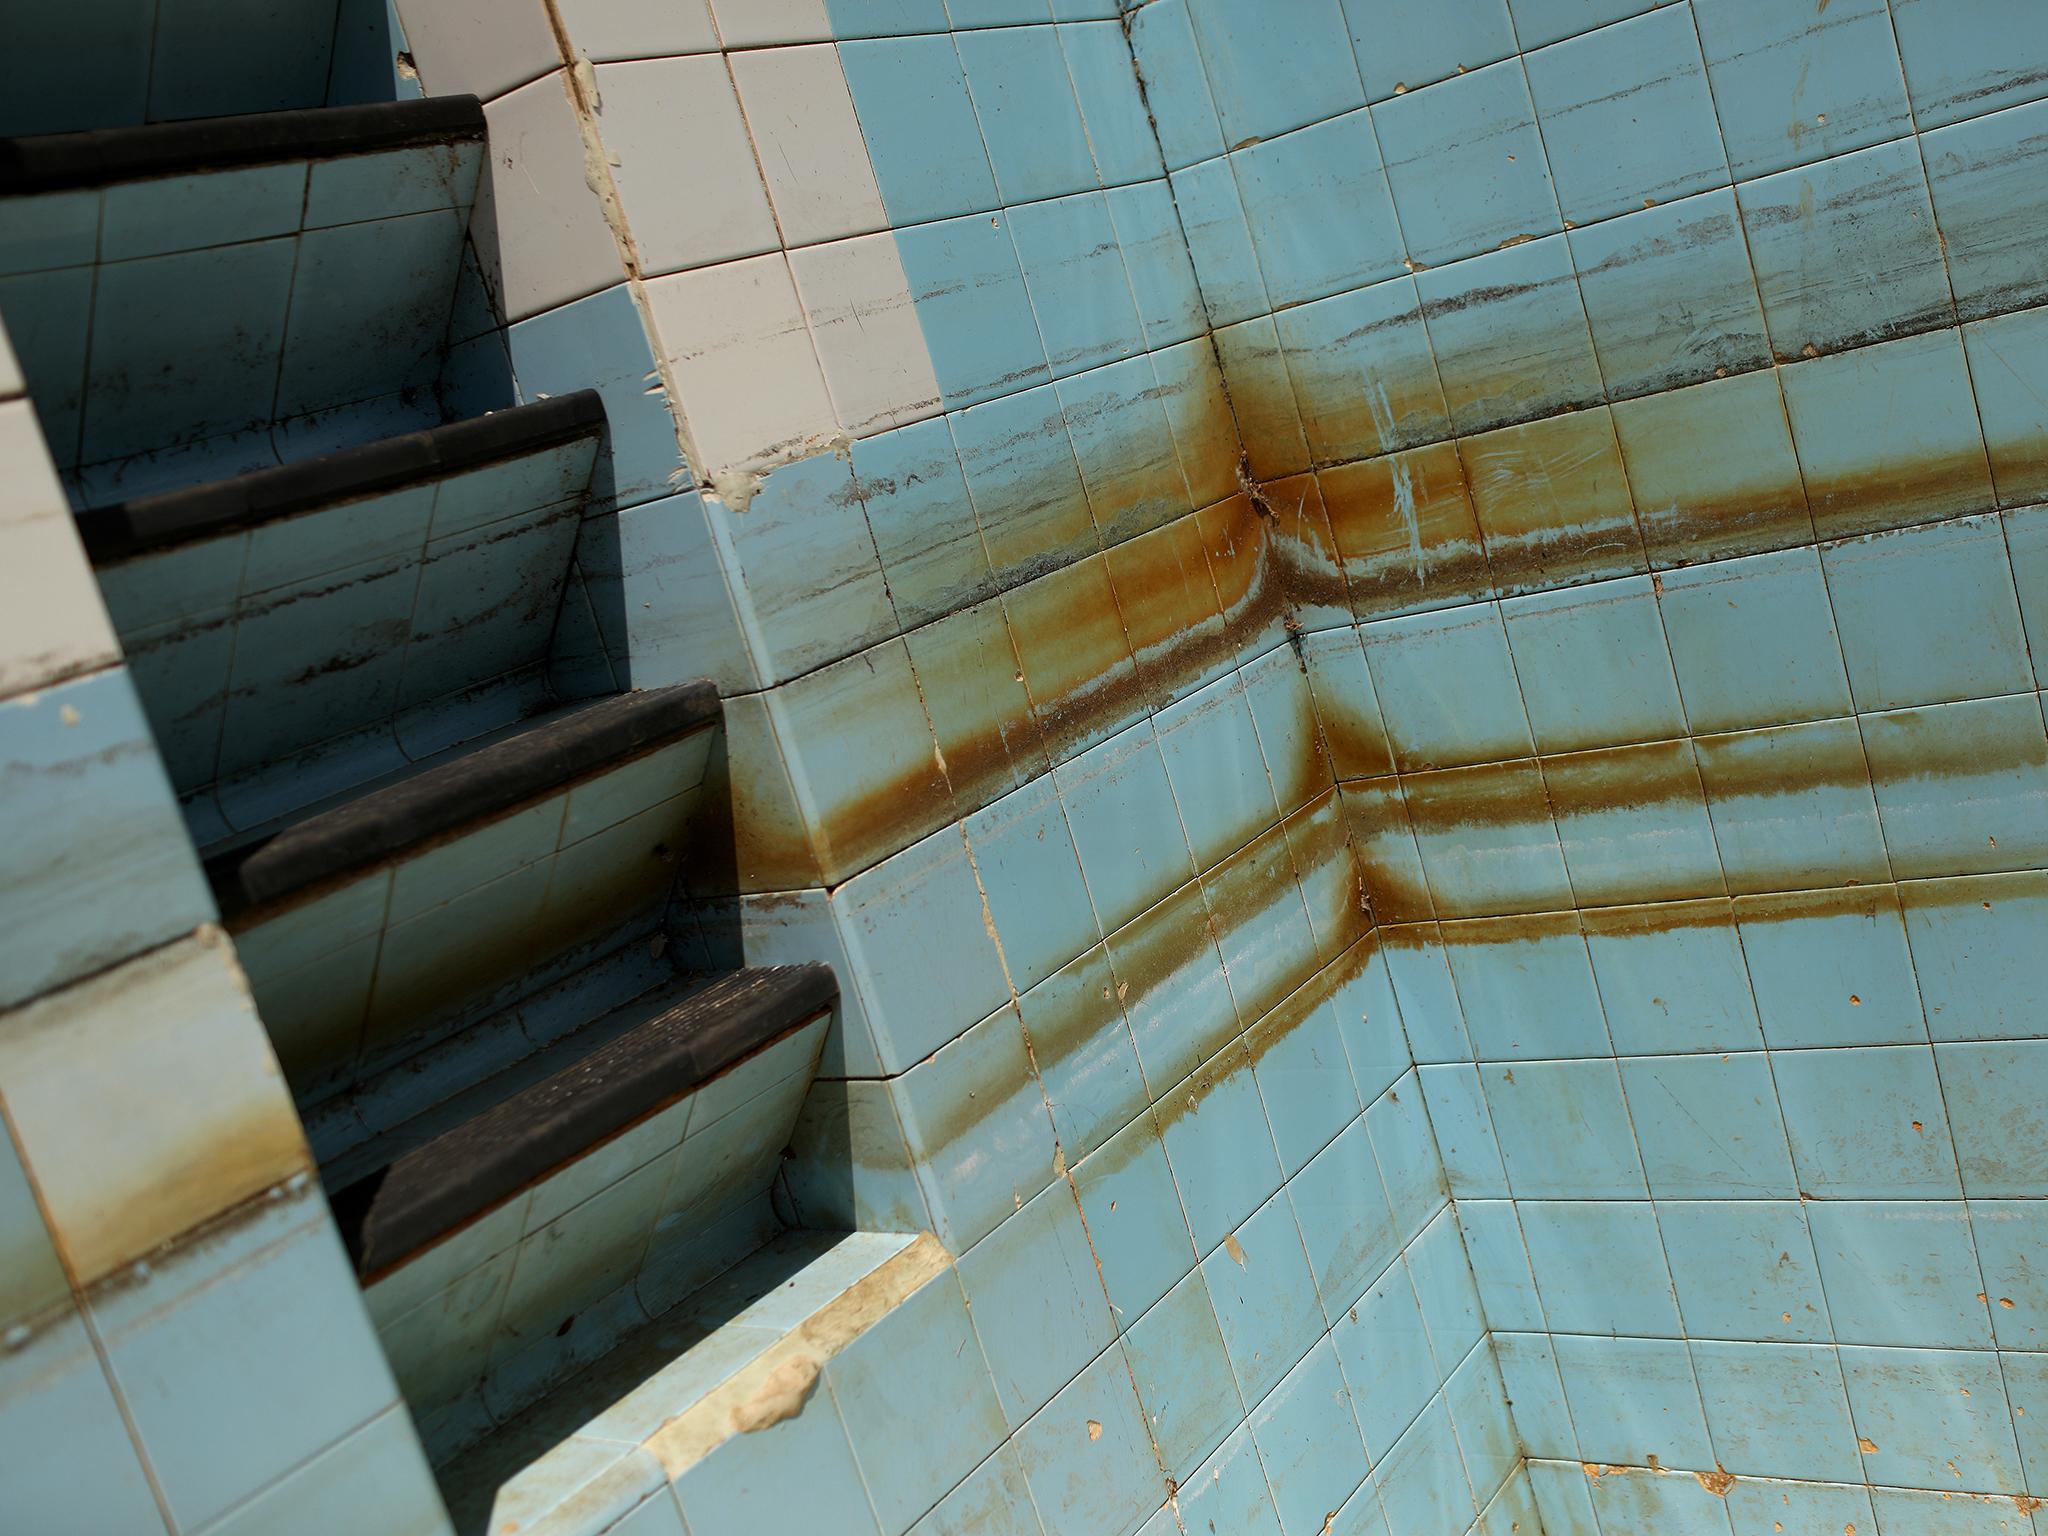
pixel 683 162
pixel 479 47
pixel 540 229
pixel 188 1112
pixel 743 361
pixel 810 143
pixel 637 29
pixel 750 23
pixel 868 337
pixel 52 622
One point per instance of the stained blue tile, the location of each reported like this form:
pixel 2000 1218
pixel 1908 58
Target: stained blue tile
pixel 1466 164
pixel 1218 1145
pixel 1970 57
pixel 1936 1417
pixel 1219 238
pixel 973 308
pixel 1983 808
pixel 1162 40
pixel 1511 336
pixel 1971 947
pixel 1985 175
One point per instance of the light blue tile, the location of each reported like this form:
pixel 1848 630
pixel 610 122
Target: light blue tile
pixel 1985 175
pixel 1228 1492
pixel 1399 49
pixel 1135 1222
pixel 1670 295
pixel 1961 788
pixel 1162 41
pixel 975 1117
pixel 1672 978
pixel 994 1500
pixel 1086 1058
pixel 1170 980
pixel 920 127
pixel 1793 806
pixel 1563 1497
pixel 1265 1300
pixel 1997 1122
pixel 1913 396
pixel 212 1359
pixel 69 1461
pixel 1445 1287
pixel 973 308
pixel 1478 1402
pixel 1464 1132
pixel 1744 1269
pixel 1024 484
pixel 1432 722
pixel 1219 1146
pixel 86 742
pixel 1105 80
pixel 1937 1417
pixel 1758 1507
pixel 1538 22
pixel 1527 988
pixel 923 1351
pixel 1384 1349
pixel 1500 1265
pixel 1308 1444
pixel 184 213
pixel 660 600
pixel 1834 971
pixel 803 566
pixel 1219 239
pixel 1657 1500
pixel 920 952
pixel 1183 1376
pixel 1031 876
pixel 1466 163
pixel 378 1474
pixel 1029 119
pixel 601 343
pixel 1531 1099
pixel 1322 220
pixel 1793 88
pixel 1414 960
pixel 1866 207
pixel 1511 336
pixel 1087 1457
pixel 1304 1077
pixel 1607 640
pixel 1969 58
pixel 1528 1368
pixel 1301 41
pixel 1398 1125
pixel 1364 374
pixel 1900 1272
pixel 1599 1267
pixel 1654 140
pixel 1718 1130
pixel 1754 642
pixel 1633 1399
pixel 1867 1123
pixel 1341 1209
pixel 1972 954
pixel 1158 262
pixel 745 1476
pixel 1422 1478
pixel 1928 615
pixel 2026 537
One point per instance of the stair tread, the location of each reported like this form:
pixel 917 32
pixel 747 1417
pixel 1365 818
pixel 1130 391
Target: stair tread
pixel 467 787
pixel 123 530
pixel 538 1127
pixel 59 162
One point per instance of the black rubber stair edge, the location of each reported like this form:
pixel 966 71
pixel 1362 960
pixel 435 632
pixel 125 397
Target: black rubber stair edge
pixel 130 528
pixel 57 162
pixel 476 787
pixel 414 1202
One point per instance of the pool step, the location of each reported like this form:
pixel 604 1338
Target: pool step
pixel 192 300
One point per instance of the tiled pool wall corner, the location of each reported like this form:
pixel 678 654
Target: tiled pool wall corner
pixel 184 1344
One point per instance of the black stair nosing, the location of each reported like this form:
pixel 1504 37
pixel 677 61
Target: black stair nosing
pixel 62 162
pixel 478 786
pixel 409 1205
pixel 145 525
